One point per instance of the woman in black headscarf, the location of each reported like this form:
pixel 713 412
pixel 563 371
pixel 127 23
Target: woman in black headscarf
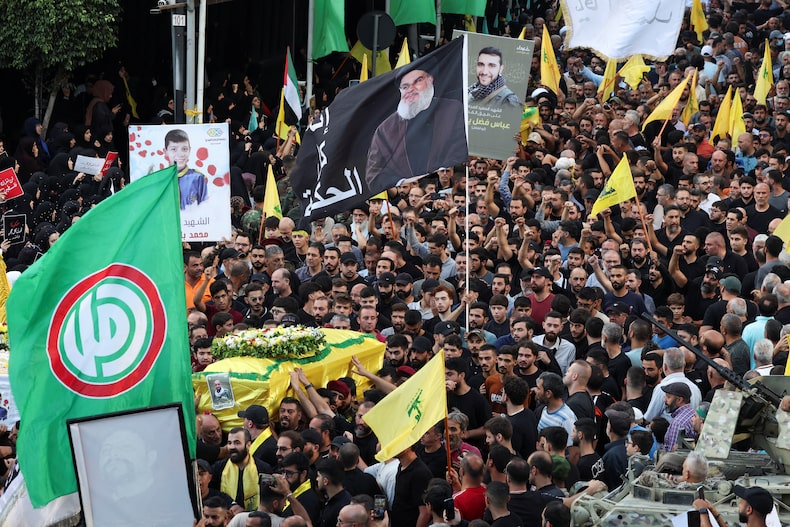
pixel 32 128
pixel 27 156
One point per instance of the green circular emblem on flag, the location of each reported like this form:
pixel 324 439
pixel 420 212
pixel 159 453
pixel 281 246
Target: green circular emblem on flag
pixel 107 332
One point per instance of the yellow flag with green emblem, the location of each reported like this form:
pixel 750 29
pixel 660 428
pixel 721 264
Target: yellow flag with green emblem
pixel 618 189
pixel 271 200
pixel 765 77
pixel 665 108
pixel 722 125
pixel 549 70
pixel 692 106
pixel 403 416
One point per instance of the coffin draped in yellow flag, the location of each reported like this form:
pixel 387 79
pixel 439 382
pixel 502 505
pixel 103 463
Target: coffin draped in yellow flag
pixel 403 416
pixel 618 189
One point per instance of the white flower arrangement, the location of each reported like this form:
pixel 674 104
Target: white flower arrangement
pixel 284 343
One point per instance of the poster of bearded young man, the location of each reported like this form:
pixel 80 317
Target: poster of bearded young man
pixel 401 125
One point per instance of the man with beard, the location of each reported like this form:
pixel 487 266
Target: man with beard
pixel 505 363
pixel 653 365
pixel 620 293
pixel 401 148
pixel 387 298
pixel 478 317
pixel 754 506
pixel 237 476
pixel 404 284
pixel 671 235
pixel 541 295
pixel 576 282
pixel 331 262
pixel 295 468
pixel 676 398
pixel 194 275
pixel 348 270
pixel 552 410
pixel 281 286
pixel 561 350
pixel 290 414
pixel 364 437
pixel 395 353
pixel 397 318
pixel 692 219
pixel 490 89
pixel 639 258
pixel 684 265
pixel 462 397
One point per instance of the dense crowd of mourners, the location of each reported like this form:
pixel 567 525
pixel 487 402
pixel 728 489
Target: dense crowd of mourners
pixel 553 375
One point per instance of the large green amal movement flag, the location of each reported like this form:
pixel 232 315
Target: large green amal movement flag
pixel 98 325
pixel 464 7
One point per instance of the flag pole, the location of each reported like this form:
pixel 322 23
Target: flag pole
pixel 260 228
pixel 644 225
pixel 673 111
pixel 466 241
pixel 447 440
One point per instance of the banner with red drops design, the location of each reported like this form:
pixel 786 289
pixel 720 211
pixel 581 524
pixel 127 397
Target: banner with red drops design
pixel 202 155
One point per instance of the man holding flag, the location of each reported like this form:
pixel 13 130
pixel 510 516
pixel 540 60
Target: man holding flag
pixel 399 420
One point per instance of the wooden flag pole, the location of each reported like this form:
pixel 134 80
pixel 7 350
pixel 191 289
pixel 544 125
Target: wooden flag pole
pixel 447 442
pixel 644 225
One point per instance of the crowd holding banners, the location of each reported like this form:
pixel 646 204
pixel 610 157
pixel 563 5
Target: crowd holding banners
pixel 483 265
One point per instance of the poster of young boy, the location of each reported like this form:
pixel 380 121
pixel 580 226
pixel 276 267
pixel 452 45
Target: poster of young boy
pixel 201 153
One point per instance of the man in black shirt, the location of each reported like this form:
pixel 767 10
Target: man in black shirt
pixel 408 508
pixel 330 488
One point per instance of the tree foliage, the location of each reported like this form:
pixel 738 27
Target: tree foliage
pixel 56 36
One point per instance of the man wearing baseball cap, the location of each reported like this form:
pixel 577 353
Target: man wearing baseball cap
pixel 264 445
pixel 676 397
pixel 754 506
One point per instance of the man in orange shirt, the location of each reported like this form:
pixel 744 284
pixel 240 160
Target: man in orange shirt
pixel 193 278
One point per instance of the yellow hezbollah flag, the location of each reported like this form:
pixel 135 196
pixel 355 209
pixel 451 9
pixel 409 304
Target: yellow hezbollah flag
pixel 783 231
pixel 634 70
pixel 698 21
pixel 665 108
pixel 607 84
pixel 403 416
pixel 618 189
pixel 523 34
pixel 363 75
pixel 404 57
pixel 737 126
pixel 722 125
pixel 549 70
pixel 765 78
pixel 692 106
pixel 271 200
pixel 382 60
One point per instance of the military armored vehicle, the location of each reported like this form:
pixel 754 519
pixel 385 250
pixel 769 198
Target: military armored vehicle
pixel 767 465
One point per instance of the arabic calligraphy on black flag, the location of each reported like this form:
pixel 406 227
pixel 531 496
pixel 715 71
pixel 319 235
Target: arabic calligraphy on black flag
pixel 401 125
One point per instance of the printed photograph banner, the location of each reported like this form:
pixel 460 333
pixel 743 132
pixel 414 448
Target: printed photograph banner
pixel 398 126
pixel 201 152
pixel 498 79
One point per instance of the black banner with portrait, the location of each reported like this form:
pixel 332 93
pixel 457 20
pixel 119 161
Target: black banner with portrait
pixel 398 126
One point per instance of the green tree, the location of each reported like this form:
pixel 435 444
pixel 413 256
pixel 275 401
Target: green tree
pixel 50 38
